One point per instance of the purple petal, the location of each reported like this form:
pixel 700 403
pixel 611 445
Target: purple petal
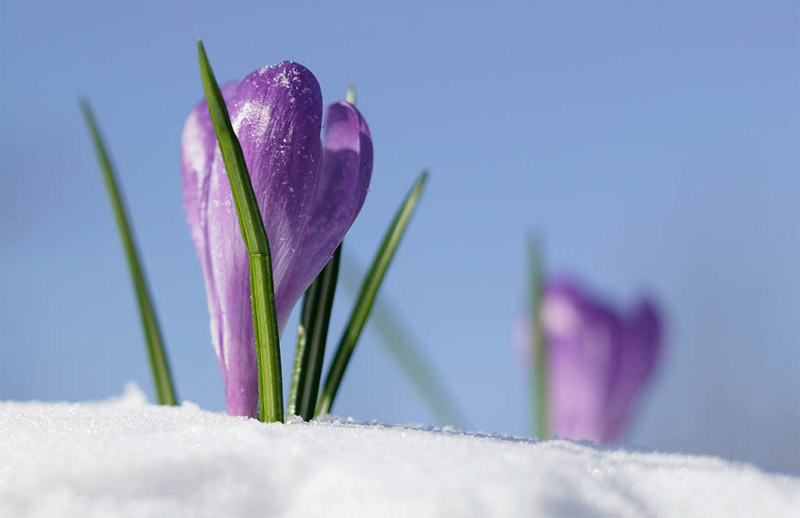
pixel 197 154
pixel 640 348
pixel 343 184
pixel 276 114
pixel 583 340
pixel 598 363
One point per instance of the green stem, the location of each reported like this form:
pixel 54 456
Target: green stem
pixel 265 323
pixel 159 366
pixel 539 345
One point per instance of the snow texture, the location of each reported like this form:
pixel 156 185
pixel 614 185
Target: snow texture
pixel 125 457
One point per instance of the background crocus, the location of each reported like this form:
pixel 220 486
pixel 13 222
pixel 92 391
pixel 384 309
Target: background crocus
pixel 309 191
pixel 599 361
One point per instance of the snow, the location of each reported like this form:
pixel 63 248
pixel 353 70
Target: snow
pixel 125 457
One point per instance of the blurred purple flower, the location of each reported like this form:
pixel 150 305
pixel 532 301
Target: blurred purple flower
pixel 598 361
pixel 309 192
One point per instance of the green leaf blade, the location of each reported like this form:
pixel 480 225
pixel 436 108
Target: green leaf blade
pixel 159 365
pixel 265 325
pixel 297 372
pixel 420 372
pixel 366 298
pixel 312 337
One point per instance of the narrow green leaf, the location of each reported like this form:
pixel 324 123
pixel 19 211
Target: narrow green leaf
pixel 539 343
pixel 159 366
pixel 297 370
pixel 265 324
pixel 409 356
pixel 351 94
pixel 369 290
pixel 312 336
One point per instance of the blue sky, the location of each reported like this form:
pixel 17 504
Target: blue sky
pixel 653 145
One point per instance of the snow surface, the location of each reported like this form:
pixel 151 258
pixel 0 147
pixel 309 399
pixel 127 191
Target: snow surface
pixel 125 457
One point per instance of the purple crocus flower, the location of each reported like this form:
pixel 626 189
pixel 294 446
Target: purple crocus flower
pixel 598 361
pixel 309 191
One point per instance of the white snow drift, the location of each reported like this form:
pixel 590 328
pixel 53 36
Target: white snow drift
pixel 125 457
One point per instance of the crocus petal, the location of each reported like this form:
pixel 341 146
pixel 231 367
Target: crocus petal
pixel 639 352
pixel 583 357
pixel 343 184
pixel 276 115
pixel 197 154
